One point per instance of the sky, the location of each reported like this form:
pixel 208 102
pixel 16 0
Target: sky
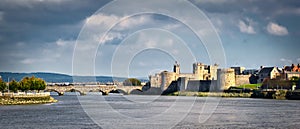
pixel 135 39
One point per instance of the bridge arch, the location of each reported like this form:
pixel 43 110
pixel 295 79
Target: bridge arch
pixel 121 91
pixel 103 92
pixel 136 91
pixel 53 90
pixel 75 90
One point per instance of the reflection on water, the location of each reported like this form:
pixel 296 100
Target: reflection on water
pixel 230 113
pixel 77 93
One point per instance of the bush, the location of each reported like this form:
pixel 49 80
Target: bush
pixel 132 82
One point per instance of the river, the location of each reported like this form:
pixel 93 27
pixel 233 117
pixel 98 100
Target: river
pixel 133 111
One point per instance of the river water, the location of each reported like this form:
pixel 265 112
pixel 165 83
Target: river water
pixel 133 111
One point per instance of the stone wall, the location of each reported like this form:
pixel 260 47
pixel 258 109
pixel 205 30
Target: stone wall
pixel 242 79
pixel 183 84
pixel 155 80
pixel 201 85
pixel 167 78
pixel 226 78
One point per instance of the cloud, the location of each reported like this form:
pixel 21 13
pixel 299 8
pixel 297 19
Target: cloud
pixel 20 44
pixel 101 19
pixel 288 61
pixel 101 22
pixel 275 29
pixel 134 21
pixel 63 43
pixel 298 60
pixel 214 1
pixel 110 37
pixel 284 11
pixel 246 27
pixel 172 26
pixel 28 61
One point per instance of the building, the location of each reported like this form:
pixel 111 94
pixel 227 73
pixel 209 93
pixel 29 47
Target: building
pixel 226 78
pixel 268 72
pixel 238 70
pixel 250 71
pixel 292 68
pixel 200 72
pixel 291 71
pixel 289 75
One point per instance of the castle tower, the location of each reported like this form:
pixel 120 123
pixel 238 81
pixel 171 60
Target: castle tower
pixel 198 70
pixel 213 71
pixel 226 78
pixel 176 68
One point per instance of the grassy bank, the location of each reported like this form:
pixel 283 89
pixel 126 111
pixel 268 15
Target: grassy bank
pixel 250 86
pixel 211 94
pixel 21 100
pixel 279 94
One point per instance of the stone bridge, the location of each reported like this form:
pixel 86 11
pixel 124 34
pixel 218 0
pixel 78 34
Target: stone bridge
pixel 104 89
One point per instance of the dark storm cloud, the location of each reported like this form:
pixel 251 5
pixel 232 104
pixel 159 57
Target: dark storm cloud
pixel 43 20
pixel 266 7
pixel 39 35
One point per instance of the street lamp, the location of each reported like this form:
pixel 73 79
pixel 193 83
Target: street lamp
pixel 8 84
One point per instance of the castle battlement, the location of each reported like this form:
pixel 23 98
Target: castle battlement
pixel 200 72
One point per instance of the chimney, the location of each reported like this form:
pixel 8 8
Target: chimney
pixel 261 67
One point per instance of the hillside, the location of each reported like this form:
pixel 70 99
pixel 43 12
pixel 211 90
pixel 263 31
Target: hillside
pixel 57 77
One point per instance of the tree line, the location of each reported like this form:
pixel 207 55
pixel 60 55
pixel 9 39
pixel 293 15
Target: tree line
pixel 280 83
pixel 26 84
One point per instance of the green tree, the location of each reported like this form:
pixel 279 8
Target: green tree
pixel 24 84
pixel 35 83
pixel 32 84
pixel 41 84
pixel 132 82
pixel 3 85
pixel 13 86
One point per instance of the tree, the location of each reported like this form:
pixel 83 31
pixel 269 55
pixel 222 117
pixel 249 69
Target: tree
pixel 41 84
pixel 276 83
pixel 13 86
pixel 132 82
pixel 3 85
pixel 295 80
pixel 36 83
pixel 24 84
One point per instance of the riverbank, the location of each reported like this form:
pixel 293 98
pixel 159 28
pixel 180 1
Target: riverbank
pixel 211 94
pixel 273 94
pixel 24 100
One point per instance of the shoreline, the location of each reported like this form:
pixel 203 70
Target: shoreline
pixel 279 95
pixel 26 100
pixel 211 94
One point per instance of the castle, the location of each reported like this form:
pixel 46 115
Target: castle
pixel 203 78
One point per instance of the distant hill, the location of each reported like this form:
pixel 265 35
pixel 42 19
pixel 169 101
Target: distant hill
pixel 58 78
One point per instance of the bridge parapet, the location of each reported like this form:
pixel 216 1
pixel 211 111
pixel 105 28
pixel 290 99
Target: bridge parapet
pixel 105 89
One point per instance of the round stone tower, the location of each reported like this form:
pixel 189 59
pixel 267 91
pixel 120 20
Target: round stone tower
pixel 166 79
pixel 226 78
